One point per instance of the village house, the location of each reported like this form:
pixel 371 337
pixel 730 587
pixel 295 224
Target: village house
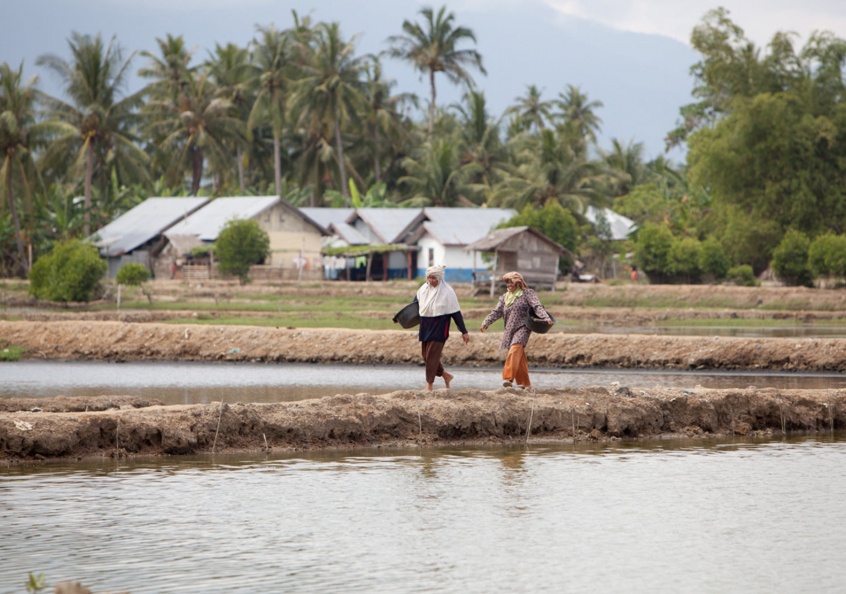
pixel 295 239
pixel 137 235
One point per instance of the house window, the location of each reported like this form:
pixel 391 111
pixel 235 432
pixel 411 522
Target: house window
pixel 431 256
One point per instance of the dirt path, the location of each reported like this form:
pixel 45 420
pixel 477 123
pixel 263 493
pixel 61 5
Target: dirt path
pixel 79 428
pixel 121 341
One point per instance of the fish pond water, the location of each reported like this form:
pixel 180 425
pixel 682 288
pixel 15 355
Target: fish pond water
pixel 199 383
pixel 665 516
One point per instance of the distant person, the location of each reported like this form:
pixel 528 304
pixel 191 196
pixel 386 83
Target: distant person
pixel 438 304
pixel 634 273
pixel 514 306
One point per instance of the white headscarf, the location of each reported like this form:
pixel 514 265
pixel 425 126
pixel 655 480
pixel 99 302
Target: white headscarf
pixel 437 301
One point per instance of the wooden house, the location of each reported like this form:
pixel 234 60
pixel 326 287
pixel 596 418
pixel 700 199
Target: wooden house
pixel 522 249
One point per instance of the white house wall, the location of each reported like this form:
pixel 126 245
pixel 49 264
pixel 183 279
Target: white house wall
pixel 458 261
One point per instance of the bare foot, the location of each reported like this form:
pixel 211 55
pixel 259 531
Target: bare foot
pixel 448 377
pixel 428 387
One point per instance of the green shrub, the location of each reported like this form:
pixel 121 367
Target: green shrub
pixel 683 260
pixel 827 255
pixel 713 260
pixel 71 272
pixel 790 259
pixel 743 275
pixel 652 250
pixel 241 243
pixel 133 274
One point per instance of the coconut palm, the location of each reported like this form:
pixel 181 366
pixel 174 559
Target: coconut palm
pixel 229 69
pixel 96 129
pixel 578 116
pixel 171 70
pixel 272 70
pixel 530 111
pixel 382 116
pixel 483 155
pixel 548 168
pixel 199 126
pixel 18 133
pixel 434 176
pixel 433 47
pixel 329 89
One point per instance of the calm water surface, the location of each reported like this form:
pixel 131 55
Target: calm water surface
pixel 717 517
pixel 195 383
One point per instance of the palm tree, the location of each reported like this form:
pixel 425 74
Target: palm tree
pixel 18 131
pixel 435 177
pixel 625 166
pixel 96 128
pixel 329 89
pixel 483 155
pixel 548 168
pixel 579 117
pixel 272 70
pixel 530 111
pixel 170 71
pixel 200 125
pixel 382 116
pixel 432 48
pixel 228 68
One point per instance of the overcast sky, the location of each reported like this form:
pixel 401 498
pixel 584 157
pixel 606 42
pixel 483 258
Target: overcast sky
pixel 759 19
pixel 628 54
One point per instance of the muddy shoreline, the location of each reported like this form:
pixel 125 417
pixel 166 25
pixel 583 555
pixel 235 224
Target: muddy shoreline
pixel 103 426
pixel 116 427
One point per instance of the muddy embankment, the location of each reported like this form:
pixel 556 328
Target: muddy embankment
pixel 117 426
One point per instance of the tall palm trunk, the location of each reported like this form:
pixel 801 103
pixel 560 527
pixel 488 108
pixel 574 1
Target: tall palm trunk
pixel 342 166
pixel 89 177
pixel 432 103
pixel 377 166
pixel 277 164
pixel 196 169
pixel 23 263
pixel 240 156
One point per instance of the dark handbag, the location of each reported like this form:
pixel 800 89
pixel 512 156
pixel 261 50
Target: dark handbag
pixel 408 316
pixel 536 324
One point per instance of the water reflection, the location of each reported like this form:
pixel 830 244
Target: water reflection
pixel 195 383
pixel 680 516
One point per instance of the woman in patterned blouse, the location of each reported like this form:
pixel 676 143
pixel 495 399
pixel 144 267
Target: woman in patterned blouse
pixel 514 307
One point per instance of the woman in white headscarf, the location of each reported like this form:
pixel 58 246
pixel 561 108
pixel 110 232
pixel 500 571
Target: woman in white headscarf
pixel 438 305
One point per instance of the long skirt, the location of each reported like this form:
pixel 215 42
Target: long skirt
pixel 516 366
pixel 432 357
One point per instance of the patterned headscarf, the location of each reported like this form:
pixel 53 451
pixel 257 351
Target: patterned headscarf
pixel 517 278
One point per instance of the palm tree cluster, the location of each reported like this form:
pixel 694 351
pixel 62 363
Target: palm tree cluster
pixel 296 113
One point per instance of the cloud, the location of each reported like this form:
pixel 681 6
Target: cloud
pixel 760 19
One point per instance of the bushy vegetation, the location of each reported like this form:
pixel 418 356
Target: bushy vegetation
pixel 71 272
pixel 790 259
pixel 133 274
pixel 762 158
pixel 240 244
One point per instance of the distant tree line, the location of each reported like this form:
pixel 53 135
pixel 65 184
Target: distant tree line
pixel 300 114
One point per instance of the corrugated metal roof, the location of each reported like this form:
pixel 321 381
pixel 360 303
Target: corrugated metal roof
pixel 349 234
pixel 207 222
pixel 389 224
pixel 143 223
pixel 621 226
pixel 494 239
pixel 462 226
pixel 325 216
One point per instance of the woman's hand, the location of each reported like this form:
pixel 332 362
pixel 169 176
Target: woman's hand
pixel 465 338
pixel 550 321
pixel 482 328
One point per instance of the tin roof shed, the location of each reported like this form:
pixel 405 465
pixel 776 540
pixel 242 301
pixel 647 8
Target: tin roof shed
pixel 143 223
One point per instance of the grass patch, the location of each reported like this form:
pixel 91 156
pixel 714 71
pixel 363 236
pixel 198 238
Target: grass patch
pixel 11 353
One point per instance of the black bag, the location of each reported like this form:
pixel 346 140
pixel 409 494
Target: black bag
pixel 536 324
pixel 408 316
